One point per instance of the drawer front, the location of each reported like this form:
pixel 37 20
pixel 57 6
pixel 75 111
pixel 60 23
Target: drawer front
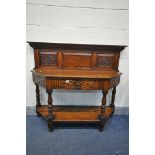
pixel 80 84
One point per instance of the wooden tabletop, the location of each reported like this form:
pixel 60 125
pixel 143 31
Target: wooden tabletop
pixel 70 73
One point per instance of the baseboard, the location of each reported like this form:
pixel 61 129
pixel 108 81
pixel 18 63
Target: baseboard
pixel 119 110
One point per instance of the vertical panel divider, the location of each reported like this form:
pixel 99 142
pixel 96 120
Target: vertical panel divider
pixel 93 61
pixel 36 58
pixel 59 58
pixel 116 60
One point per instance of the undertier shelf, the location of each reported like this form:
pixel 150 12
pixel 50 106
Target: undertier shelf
pixel 75 113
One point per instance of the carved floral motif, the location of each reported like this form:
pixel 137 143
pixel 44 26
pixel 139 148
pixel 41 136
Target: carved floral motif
pixel 104 61
pixel 48 59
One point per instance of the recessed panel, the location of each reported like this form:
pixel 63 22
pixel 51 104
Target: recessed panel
pixel 76 60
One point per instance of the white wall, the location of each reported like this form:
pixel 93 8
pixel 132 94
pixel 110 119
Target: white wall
pixel 78 21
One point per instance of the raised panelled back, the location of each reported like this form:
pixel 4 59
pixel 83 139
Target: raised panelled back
pixel 101 60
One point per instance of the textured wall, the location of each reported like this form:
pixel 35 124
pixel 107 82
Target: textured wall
pixel 78 21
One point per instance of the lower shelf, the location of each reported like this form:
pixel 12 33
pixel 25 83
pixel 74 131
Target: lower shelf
pixel 75 113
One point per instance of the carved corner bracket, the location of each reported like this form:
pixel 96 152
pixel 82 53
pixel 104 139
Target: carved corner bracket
pixel 38 79
pixel 114 81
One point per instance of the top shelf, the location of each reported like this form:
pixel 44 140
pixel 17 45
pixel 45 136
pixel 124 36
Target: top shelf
pixel 43 45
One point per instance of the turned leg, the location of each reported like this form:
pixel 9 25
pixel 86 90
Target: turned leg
pixel 50 111
pixel 103 106
pixel 112 105
pixel 37 99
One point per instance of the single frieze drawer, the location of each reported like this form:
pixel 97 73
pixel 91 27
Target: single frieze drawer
pixel 77 84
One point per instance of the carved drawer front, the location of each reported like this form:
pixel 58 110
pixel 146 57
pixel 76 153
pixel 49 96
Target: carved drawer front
pixel 78 84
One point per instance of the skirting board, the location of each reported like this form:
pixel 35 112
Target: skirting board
pixel 119 110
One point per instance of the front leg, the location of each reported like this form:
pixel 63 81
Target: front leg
pixel 37 99
pixel 50 111
pixel 112 105
pixel 103 106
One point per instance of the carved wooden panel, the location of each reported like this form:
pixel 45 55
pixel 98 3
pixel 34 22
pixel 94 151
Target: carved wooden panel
pixel 38 79
pixel 115 81
pixel 104 61
pixel 48 59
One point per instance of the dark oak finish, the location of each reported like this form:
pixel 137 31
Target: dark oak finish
pixel 75 66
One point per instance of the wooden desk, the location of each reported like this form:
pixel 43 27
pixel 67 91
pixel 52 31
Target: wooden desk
pixel 74 66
